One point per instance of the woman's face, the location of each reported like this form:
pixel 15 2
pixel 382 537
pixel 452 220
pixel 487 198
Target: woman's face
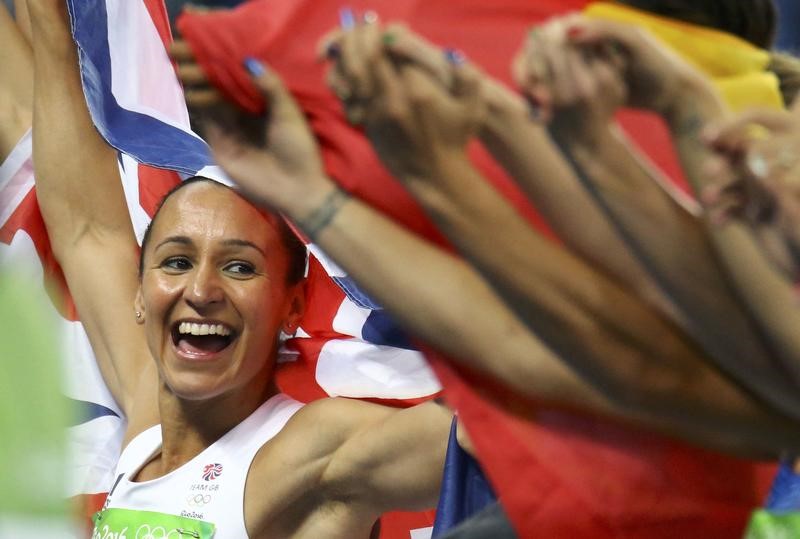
pixel 214 294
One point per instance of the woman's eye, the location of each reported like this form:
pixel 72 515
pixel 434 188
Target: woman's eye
pixel 176 263
pixel 240 268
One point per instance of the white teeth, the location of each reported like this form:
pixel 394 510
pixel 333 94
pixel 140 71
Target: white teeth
pixel 191 328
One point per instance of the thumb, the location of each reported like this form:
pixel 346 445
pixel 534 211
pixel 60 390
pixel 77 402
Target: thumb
pixel 282 106
pixel 586 31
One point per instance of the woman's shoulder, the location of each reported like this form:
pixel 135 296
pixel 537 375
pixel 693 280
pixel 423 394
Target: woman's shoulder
pixel 318 430
pixel 338 417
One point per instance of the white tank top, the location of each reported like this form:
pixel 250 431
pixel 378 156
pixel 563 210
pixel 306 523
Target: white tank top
pixel 209 487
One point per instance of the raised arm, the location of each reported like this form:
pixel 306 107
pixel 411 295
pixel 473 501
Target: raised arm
pixel 755 179
pixel 629 67
pixel 602 330
pixel 16 83
pixel 367 459
pixel 525 150
pixel 688 106
pixel 81 199
pixel 761 175
pixel 443 300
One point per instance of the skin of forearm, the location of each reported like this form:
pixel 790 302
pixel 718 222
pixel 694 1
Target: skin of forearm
pixel 525 150
pixel 67 187
pixel 23 19
pixel 16 91
pixel 769 296
pixel 630 353
pixel 83 205
pixel 445 303
pixel 769 300
pixel 672 244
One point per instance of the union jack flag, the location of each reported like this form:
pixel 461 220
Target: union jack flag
pixel 346 345
pixel 212 471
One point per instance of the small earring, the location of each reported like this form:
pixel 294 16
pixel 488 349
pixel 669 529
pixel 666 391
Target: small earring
pixel 138 315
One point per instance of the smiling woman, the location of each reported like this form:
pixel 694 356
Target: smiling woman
pixel 213 261
pixel 187 344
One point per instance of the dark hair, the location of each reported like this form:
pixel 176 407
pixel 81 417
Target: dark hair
pixel 294 247
pixel 752 20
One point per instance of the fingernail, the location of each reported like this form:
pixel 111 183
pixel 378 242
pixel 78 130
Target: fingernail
pixel 369 17
pixel 333 51
pixel 389 38
pixel 347 19
pixel 254 67
pixel 574 32
pixel 454 56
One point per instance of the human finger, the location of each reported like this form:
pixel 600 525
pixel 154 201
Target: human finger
pixel 580 76
pixel 556 87
pixel 367 40
pixel 328 46
pixel 467 82
pixel 714 193
pixel 751 125
pixel 403 44
pixel 350 61
pixel 191 74
pixel 585 31
pixel 780 153
pixel 282 106
pixel 391 102
pixel 202 97
pixel 529 68
pixel 725 209
pixel 609 80
pixel 180 51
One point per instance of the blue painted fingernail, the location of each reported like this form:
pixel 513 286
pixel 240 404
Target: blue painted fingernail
pixel 454 56
pixel 333 51
pixel 347 19
pixel 254 67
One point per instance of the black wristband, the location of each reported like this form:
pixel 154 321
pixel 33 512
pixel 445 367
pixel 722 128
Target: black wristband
pixel 324 213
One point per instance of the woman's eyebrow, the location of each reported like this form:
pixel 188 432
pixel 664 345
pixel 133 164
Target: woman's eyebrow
pixel 183 240
pixel 244 243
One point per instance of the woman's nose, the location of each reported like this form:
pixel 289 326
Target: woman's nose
pixel 204 288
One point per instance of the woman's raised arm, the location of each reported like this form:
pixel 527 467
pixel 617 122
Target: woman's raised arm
pixel 83 205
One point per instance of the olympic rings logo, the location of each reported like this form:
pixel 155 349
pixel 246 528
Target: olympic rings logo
pixel 156 532
pixel 198 500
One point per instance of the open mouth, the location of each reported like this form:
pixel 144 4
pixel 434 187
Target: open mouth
pixel 198 339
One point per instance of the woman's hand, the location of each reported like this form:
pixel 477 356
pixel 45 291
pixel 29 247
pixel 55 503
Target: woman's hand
pixel 416 102
pixel 274 159
pixel 575 88
pixel 756 171
pixel 656 78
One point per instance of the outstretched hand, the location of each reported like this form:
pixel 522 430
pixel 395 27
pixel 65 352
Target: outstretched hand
pixel 756 173
pixel 416 101
pixel 573 87
pixel 655 77
pixel 274 159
